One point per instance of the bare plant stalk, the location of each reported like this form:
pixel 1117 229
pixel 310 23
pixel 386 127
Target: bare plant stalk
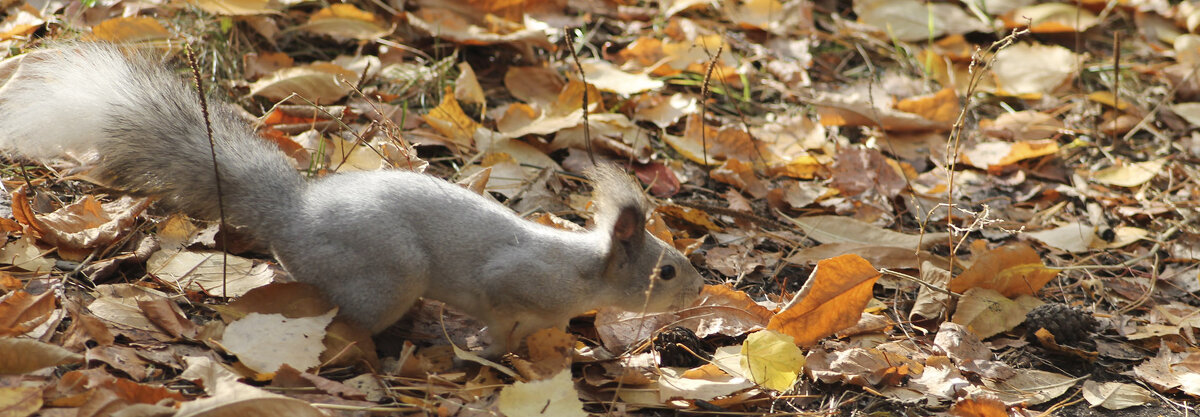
pixel 587 133
pixel 212 147
pixel 704 91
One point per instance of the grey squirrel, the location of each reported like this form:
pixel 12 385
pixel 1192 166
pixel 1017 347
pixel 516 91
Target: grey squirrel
pixel 372 241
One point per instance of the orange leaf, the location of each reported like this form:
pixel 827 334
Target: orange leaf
pixel 834 299
pixel 1011 269
pixel 940 107
pixel 979 407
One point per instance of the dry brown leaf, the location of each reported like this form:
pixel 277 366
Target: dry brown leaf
pixel 1115 395
pixel 987 313
pixel 20 355
pixel 1129 175
pixel 857 110
pixel 910 20
pixel 724 310
pixel 78 229
pixel 1011 270
pixel 21 312
pixel 1029 387
pixel 452 26
pixel 833 299
pixel 319 82
pixel 167 316
pixel 839 229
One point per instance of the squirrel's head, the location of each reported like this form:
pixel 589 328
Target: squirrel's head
pixel 646 273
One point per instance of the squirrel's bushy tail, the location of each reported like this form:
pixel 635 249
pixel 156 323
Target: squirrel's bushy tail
pixel 146 130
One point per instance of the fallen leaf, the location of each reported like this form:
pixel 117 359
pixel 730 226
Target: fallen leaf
pixel 20 401
pixel 318 82
pixel 1029 387
pixel 1071 237
pixel 1115 395
pixel 912 20
pixel 21 312
pixel 203 271
pixel 1011 270
pixel 840 229
pixel 295 341
pixel 1015 76
pixel 607 77
pixel 344 21
pixel 833 299
pixel 549 397
pixel 131 30
pixel 235 7
pixel 772 359
pixel 1130 175
pixel 987 313
pixel 19 355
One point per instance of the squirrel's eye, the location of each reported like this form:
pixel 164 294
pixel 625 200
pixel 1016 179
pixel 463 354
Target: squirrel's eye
pixel 666 272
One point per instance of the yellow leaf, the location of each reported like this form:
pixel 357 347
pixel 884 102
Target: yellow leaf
pixel 772 359
pixel 549 397
pixel 130 29
pixel 449 119
pixel 235 7
pixel 834 299
pixel 347 22
pixel 1130 175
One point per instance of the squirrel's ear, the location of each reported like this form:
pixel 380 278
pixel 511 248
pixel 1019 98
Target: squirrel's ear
pixel 629 225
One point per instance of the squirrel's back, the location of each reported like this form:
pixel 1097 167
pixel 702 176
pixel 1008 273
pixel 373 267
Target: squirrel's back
pixel 145 129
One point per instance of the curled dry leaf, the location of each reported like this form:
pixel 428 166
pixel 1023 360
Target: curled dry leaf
pixel 21 311
pixel 833 299
pixel 77 229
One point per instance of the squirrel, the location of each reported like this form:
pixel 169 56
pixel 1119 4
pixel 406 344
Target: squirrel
pixel 373 242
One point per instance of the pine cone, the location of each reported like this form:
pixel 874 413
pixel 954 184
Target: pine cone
pixel 1068 325
pixel 671 343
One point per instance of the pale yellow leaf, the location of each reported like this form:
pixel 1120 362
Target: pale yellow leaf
pixel 1130 175
pixel 772 359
